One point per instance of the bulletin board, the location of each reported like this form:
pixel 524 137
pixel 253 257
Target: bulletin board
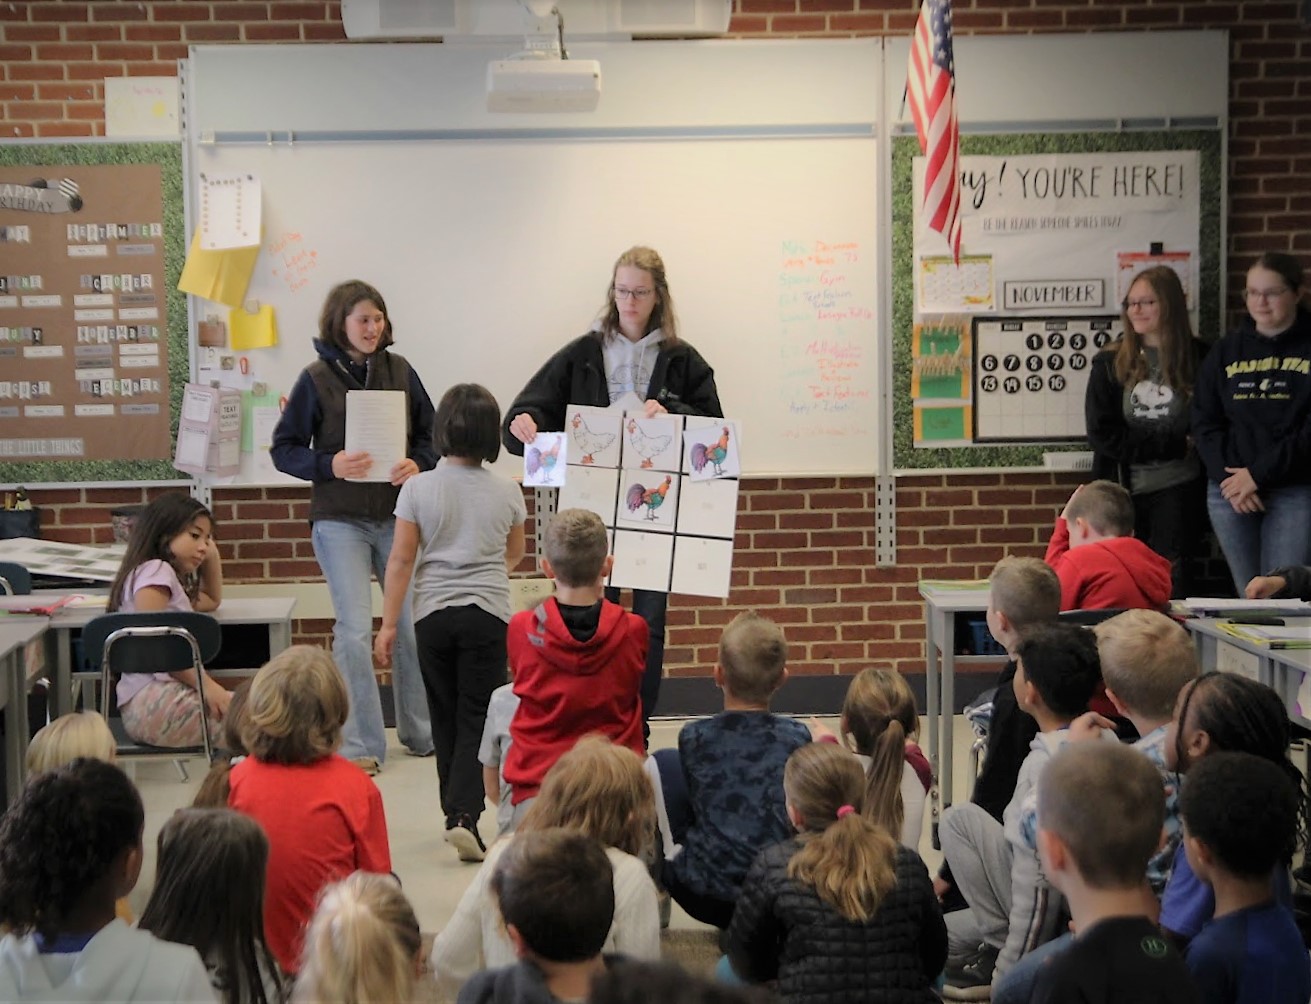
pixel 492 236
pixel 1000 356
pixel 94 344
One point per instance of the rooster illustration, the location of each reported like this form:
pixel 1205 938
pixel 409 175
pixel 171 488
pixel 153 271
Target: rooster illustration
pixel 706 453
pixel 588 441
pixel 653 498
pixel 542 461
pixel 647 446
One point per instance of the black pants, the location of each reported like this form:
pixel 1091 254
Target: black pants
pixel 1171 522
pixel 650 606
pixel 462 659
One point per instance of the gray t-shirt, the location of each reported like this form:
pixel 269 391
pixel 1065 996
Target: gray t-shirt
pixel 1152 403
pixel 464 515
pixel 495 744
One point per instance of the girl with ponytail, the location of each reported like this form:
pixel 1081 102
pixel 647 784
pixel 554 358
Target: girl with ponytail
pixel 840 911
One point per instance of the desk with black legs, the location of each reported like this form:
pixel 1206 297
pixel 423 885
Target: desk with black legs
pixel 16 635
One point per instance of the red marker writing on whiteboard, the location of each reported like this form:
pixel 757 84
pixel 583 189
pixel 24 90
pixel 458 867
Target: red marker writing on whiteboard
pixel 243 364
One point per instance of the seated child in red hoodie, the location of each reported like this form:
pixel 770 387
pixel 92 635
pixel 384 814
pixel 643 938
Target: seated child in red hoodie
pixel 1100 563
pixel 577 659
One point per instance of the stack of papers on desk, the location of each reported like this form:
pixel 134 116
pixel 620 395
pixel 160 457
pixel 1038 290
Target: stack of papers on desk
pixel 1277 636
pixel 1220 606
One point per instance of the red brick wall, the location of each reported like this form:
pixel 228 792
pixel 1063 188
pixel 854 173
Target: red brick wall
pixel 805 547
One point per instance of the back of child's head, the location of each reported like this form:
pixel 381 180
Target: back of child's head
pixel 576 545
pixel 849 860
pixel 68 737
pixel 1237 715
pixel 1244 809
pixel 753 653
pixel 60 842
pixel 159 522
pixel 1146 659
pixel 599 789
pixel 297 706
pixel 214 789
pixel 878 716
pixel 209 893
pixel 362 944
pixel 1106 803
pixel 1026 590
pixel 556 888
pixel 468 424
pixel 1060 660
pixel 632 981
pixel 1105 506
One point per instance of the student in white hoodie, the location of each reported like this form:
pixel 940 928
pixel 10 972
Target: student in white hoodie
pixel 633 348
pixel 69 847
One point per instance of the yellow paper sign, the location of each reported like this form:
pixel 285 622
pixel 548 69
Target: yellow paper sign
pixel 221 276
pixel 252 331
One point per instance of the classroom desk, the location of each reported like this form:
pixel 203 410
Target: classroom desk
pixel 1285 670
pixel 941 605
pixel 274 612
pixel 16 633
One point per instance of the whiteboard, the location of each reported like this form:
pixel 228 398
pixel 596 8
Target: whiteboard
pixel 493 246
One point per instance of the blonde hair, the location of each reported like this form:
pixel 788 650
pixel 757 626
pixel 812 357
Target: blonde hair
pixel 600 789
pixel 754 653
pixel 1026 590
pixel 361 945
pixel 576 545
pixel 878 716
pixel 848 860
pixel 76 734
pixel 297 706
pixel 1106 506
pixel 1146 659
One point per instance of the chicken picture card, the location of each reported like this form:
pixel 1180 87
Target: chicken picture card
pixel 653 444
pixel 710 449
pixel 648 500
pixel 544 460
pixel 592 488
pixel 707 508
pixel 702 567
pixel 595 435
pixel 642 561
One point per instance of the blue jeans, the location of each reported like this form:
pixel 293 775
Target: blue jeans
pixel 1258 543
pixel 1015 986
pixel 348 553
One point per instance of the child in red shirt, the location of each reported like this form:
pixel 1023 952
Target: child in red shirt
pixel 577 659
pixel 322 814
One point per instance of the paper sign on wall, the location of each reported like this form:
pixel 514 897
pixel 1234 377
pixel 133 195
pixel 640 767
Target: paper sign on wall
pixel 229 211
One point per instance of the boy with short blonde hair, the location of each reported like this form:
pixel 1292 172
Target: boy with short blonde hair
pixel 753 654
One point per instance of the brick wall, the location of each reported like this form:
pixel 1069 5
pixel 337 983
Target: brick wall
pixel 805 547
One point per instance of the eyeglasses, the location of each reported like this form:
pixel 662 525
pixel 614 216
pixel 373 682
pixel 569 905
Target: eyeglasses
pixel 1135 304
pixel 1265 295
pixel 632 294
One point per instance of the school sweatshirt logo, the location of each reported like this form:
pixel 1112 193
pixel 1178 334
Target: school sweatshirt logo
pixel 44 195
pixel 1286 364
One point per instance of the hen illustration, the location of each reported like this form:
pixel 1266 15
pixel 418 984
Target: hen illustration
pixel 646 446
pixel 542 461
pixel 713 454
pixel 653 498
pixel 588 441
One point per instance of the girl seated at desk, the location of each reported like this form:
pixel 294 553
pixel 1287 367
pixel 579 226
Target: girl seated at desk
pixel 171 563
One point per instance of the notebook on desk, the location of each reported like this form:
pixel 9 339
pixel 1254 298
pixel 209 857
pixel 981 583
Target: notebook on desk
pixel 1275 636
pixel 1220 606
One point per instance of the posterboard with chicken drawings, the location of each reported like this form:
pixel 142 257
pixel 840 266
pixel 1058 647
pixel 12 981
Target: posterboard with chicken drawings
pixel 653 443
pixel 594 436
pixel 544 460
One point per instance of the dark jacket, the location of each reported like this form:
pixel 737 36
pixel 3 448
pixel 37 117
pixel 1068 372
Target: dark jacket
pixel 1252 406
pixel 1116 443
pixel 312 430
pixel 681 381
pixel 782 929
pixel 522 983
pixel 1297 582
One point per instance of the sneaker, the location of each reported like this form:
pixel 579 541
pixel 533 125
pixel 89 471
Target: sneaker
pixel 409 751
pixel 971 979
pixel 462 834
pixel 367 764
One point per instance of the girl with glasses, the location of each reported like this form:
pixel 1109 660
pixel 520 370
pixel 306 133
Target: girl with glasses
pixel 1252 425
pixel 1137 412
pixel 632 347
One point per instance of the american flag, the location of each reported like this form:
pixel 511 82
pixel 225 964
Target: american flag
pixel 931 88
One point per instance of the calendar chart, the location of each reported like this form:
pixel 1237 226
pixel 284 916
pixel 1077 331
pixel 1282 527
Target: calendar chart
pixel 1031 375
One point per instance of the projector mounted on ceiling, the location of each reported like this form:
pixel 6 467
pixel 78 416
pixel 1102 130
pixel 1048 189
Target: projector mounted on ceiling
pixel 543 85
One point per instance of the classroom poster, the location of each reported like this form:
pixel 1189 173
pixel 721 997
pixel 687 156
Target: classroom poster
pixel 1049 244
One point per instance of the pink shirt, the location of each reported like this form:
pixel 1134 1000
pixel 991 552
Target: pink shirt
pixel 149 573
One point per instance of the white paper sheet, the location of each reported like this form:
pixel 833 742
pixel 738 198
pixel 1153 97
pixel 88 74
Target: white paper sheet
pixel 595 435
pixel 708 508
pixel 648 500
pixel 545 460
pixel 711 449
pixel 702 567
pixel 375 424
pixel 653 443
pixel 592 488
pixel 642 561
pixel 229 211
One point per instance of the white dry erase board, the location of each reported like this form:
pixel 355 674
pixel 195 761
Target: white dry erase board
pixel 752 167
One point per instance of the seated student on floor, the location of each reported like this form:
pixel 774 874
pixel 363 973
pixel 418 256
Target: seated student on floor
pixel 1100 563
pixel 721 792
pixel 1100 810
